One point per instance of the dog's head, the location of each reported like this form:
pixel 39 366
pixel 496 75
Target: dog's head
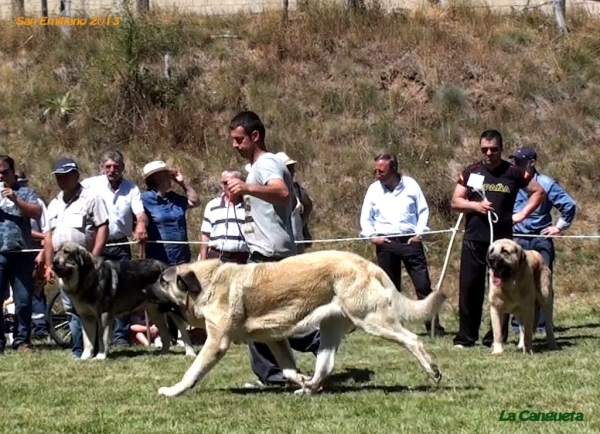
pixel 69 261
pixel 181 283
pixel 504 258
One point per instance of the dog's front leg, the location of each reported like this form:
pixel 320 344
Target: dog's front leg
pixel 88 331
pixel 105 323
pixel 497 318
pixel 185 337
pixel 212 351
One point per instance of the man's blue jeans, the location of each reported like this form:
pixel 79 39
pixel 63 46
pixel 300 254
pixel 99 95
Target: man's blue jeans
pixel 546 248
pixel 74 325
pixel 16 270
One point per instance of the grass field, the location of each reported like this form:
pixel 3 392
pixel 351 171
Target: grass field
pixel 377 387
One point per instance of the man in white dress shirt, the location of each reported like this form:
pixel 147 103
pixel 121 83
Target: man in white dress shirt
pixel 394 207
pixel 124 203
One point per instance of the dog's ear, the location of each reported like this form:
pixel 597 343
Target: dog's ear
pixel 188 282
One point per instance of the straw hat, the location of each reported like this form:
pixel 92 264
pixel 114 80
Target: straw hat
pixel 154 167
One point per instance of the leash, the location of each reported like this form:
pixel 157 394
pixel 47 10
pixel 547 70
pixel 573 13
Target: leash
pixel 146 319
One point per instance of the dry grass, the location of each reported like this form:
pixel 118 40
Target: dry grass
pixel 333 89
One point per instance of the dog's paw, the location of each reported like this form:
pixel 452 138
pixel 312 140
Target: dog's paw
pixel 190 352
pixel 100 356
pixel 497 349
pixel 305 391
pixel 86 355
pixel 437 374
pixel 169 391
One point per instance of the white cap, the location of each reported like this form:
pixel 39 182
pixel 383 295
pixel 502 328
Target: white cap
pixel 284 157
pixel 153 167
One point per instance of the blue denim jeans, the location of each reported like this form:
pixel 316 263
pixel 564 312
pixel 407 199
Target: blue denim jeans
pixel 16 270
pixel 546 248
pixel 39 325
pixel 74 325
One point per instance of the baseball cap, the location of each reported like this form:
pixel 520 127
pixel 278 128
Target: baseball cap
pixel 65 165
pixel 284 157
pixel 525 153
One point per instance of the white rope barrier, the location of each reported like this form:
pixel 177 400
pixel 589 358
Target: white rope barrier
pixel 339 240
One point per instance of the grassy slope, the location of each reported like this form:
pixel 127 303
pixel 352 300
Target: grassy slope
pixel 333 90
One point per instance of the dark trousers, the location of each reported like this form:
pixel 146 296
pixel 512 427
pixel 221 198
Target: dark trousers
pixel 16 270
pixel 119 253
pixel 546 248
pixel 391 255
pixel 471 295
pixel 262 360
pixel 237 257
pixel 39 325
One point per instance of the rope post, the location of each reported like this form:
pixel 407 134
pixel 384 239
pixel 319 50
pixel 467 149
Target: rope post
pixel 439 285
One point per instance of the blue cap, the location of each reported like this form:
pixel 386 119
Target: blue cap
pixel 524 153
pixel 65 165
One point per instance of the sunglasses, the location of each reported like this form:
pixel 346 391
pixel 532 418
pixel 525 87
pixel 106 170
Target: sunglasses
pixel 492 149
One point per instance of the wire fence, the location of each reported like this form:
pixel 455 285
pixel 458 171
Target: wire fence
pixel 10 10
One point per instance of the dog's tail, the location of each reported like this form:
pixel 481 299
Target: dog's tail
pixel 412 310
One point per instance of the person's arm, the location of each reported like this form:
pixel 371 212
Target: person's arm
pixel 275 191
pixel 203 247
pixel 100 219
pixel 536 197
pixel 422 212
pixel 205 231
pixel 460 201
pixel 190 192
pixel 29 206
pixel 270 187
pixel 565 204
pixel 140 233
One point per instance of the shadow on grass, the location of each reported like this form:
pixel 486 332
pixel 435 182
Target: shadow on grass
pixel 576 327
pixel 352 380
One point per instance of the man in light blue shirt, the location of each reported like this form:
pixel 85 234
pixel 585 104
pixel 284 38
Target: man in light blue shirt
pixel 540 221
pixel 394 216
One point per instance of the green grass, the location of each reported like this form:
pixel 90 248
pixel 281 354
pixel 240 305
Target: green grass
pixel 378 387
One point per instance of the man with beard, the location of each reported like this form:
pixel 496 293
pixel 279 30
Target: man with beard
pixel 269 202
pixel 500 181
pixel 124 203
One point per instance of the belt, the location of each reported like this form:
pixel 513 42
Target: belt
pixel 259 257
pixel 400 239
pixel 117 240
pixel 229 255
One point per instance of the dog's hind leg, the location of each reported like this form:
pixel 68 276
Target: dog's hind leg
pixel 89 325
pixel 548 306
pixel 384 325
pixel 527 326
pixel 212 352
pixel 332 332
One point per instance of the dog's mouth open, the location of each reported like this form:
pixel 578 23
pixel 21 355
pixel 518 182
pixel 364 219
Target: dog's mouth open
pixel 64 271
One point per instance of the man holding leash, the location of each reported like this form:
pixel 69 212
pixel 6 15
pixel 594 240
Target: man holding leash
pixel 395 205
pixel 269 202
pixel 540 221
pixel 498 182
pixel 76 214
pixel 124 203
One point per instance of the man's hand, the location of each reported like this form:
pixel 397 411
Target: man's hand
pixel 551 230
pixel 483 207
pixel 237 186
pixel 518 218
pixel 9 194
pixel 49 275
pixel 415 239
pixel 140 234
pixel 379 241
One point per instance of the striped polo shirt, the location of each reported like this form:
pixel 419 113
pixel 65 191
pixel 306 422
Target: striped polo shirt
pixel 223 223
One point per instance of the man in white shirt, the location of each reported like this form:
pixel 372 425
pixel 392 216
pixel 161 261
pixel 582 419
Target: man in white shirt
pixel 222 225
pixel 124 203
pixel 394 207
